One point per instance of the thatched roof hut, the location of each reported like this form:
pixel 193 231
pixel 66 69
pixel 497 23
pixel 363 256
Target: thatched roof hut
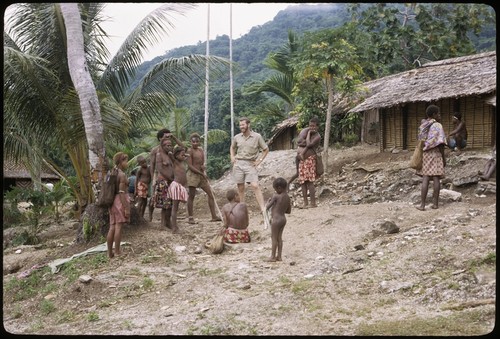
pixel 16 174
pixel 450 78
pixel 465 84
pixel 284 134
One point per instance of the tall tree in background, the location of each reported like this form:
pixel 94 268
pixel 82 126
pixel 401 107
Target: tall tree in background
pixel 404 36
pixel 327 57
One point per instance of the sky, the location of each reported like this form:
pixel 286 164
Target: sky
pixel 193 26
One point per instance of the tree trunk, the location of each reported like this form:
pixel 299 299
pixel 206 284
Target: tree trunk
pixel 85 88
pixel 329 88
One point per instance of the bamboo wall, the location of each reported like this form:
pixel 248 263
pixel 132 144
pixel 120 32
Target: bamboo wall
pixel 399 125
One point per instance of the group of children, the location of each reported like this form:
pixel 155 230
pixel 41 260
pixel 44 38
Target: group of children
pixel 167 180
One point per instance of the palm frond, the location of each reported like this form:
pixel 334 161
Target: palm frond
pixel 121 69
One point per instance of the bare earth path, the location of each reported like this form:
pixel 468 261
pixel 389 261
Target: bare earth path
pixel 343 272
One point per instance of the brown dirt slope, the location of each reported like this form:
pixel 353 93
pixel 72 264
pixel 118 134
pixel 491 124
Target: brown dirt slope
pixel 365 262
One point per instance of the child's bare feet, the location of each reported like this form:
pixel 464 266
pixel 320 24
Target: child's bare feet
pixel 271 259
pixel 215 219
pixel 420 208
pixel 191 221
pixel 434 207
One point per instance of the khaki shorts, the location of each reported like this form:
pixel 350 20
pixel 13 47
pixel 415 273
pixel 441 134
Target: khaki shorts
pixel 244 171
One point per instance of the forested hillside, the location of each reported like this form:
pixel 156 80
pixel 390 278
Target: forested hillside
pixel 250 50
pixel 378 53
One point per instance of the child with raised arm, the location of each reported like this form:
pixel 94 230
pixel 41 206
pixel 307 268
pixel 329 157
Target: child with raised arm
pixel 280 204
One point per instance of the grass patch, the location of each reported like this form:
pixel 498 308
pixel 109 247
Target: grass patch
pixel 28 287
pixel 209 272
pixel 489 259
pixel 65 317
pixel 227 326
pixel 47 307
pixel 469 323
pixel 93 316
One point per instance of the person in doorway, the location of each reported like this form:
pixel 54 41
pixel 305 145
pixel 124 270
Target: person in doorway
pixel 308 143
pixel 279 205
pixel 457 139
pixel 236 219
pixel 197 177
pixel 244 150
pixel 119 212
pixel 433 158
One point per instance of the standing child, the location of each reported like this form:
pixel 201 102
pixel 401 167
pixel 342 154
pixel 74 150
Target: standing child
pixel 142 181
pixel 280 204
pixel 177 188
pixel 119 212
pixel 196 177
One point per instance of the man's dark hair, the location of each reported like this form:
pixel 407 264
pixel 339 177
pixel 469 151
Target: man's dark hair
pixel 245 119
pixel 161 132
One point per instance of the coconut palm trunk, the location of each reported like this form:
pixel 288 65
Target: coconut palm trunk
pixel 84 86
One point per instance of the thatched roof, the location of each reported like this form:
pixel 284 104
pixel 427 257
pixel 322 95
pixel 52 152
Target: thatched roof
pixel 11 169
pixel 281 127
pixel 451 78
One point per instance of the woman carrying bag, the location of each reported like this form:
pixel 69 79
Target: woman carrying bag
pixel 433 160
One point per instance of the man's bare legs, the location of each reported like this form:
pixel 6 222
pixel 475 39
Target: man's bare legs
pixel 260 200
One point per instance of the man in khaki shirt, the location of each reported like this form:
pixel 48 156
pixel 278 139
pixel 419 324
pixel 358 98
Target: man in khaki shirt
pixel 245 150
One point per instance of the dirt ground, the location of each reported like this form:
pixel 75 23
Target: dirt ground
pixel 364 262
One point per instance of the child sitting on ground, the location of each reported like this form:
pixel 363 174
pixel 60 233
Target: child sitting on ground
pixel 236 219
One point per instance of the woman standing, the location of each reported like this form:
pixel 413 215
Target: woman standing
pixel 307 144
pixel 119 212
pixel 432 132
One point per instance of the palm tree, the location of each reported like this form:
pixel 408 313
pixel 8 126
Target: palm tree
pixel 42 107
pixel 282 83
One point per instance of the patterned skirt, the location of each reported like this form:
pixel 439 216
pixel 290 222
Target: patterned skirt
pixel 432 163
pixel 142 189
pixel 307 169
pixel 233 235
pixel 162 197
